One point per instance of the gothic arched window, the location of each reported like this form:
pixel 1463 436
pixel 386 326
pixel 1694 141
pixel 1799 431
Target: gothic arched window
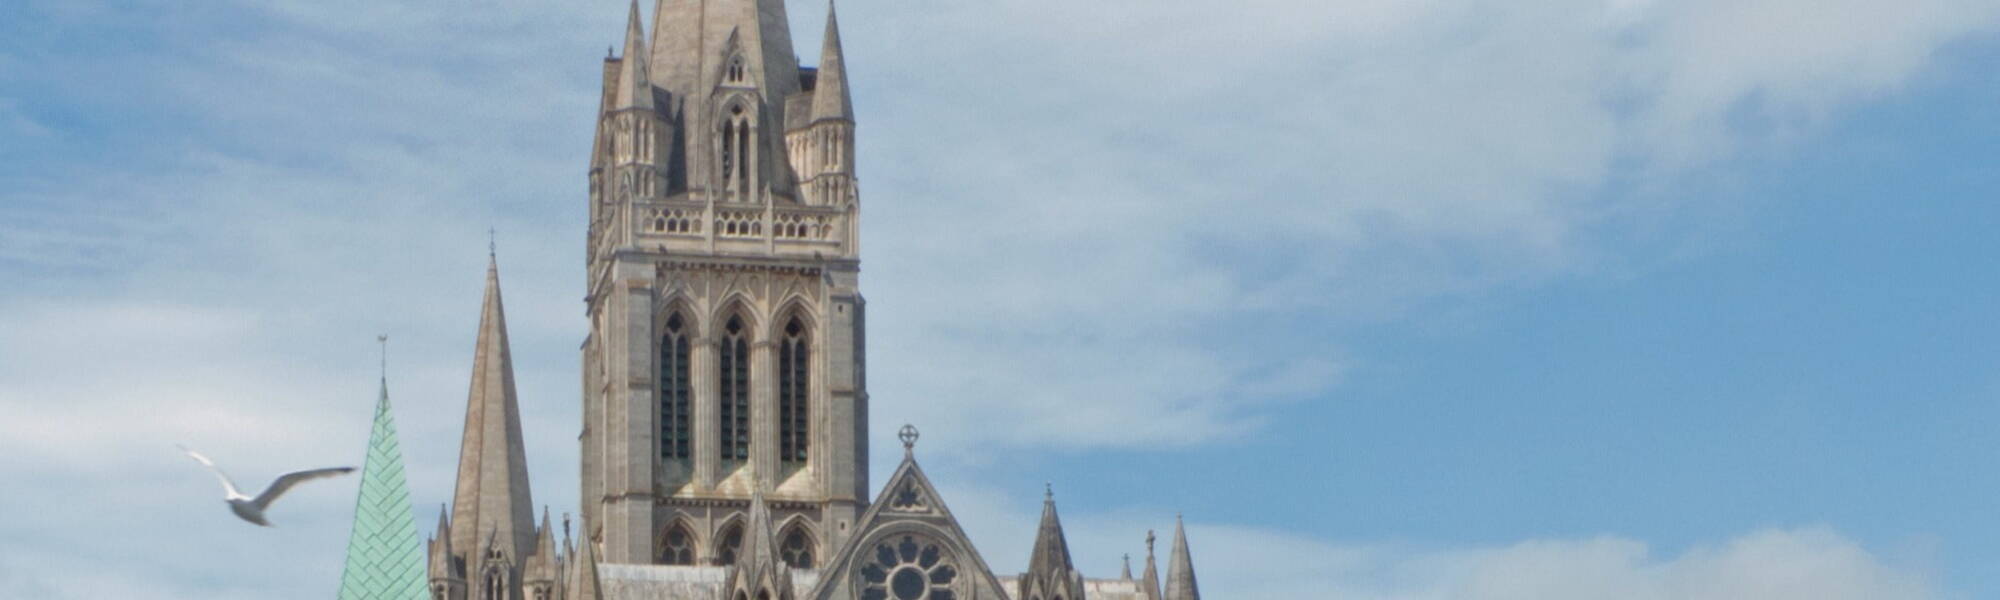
pixel 794 377
pixel 736 134
pixel 733 379
pixel 737 71
pixel 675 389
pixel 677 546
pixel 496 584
pixel 728 544
pixel 797 548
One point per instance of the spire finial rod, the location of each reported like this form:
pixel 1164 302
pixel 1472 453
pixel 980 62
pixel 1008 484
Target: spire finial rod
pixel 1048 491
pixel 383 339
pixel 492 243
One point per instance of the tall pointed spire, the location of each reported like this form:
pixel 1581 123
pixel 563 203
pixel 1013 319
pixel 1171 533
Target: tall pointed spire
pixel 492 495
pixel 384 557
pixel 1150 580
pixel 1180 568
pixel 831 99
pixel 583 584
pixel 635 88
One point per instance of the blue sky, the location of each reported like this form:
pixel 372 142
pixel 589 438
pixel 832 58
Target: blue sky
pixel 1581 299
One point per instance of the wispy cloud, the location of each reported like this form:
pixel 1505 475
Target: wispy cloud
pixel 1110 224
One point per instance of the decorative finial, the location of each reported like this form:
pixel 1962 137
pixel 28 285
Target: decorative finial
pixel 1048 491
pixel 383 339
pixel 565 527
pixel 908 434
pixel 1149 542
pixel 492 243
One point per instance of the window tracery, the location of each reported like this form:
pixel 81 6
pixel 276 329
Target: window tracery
pixel 677 546
pixel 796 549
pixel 908 568
pixel 729 544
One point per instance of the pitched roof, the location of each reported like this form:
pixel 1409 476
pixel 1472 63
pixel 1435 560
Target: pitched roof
pixel 908 503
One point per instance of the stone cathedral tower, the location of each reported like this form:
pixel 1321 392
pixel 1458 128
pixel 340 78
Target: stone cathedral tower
pixel 724 440
pixel 725 348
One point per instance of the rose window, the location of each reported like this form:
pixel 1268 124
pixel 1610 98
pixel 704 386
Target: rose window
pixel 907 570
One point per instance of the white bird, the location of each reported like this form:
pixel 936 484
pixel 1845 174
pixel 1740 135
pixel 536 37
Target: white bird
pixel 252 508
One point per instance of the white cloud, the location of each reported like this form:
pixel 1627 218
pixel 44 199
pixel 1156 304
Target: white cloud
pixel 1812 563
pixel 1071 208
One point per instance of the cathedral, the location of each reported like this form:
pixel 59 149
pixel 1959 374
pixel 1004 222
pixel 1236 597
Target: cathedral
pixel 724 434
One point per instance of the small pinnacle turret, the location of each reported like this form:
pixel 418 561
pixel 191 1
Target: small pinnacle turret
pixel 635 88
pixel 1149 582
pixel 831 99
pixel 1180 568
pixel 1051 573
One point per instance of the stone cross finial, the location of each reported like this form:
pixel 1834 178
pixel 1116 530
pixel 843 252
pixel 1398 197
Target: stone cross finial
pixel 1048 491
pixel 908 434
pixel 1149 542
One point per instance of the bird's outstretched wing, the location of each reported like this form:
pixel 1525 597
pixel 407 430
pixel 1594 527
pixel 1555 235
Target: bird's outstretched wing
pixel 286 481
pixel 228 487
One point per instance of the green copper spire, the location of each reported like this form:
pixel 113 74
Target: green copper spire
pixel 384 559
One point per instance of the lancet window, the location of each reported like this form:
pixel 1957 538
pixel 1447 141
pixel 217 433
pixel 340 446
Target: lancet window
pixel 676 391
pixel 677 546
pixel 797 548
pixel 733 379
pixel 737 131
pixel 729 544
pixel 794 378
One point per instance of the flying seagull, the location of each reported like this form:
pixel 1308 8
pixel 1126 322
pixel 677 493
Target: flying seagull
pixel 252 509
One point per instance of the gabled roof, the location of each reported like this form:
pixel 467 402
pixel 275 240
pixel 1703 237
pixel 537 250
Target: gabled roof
pixel 907 505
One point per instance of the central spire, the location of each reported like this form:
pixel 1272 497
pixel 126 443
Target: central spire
pixel 492 496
